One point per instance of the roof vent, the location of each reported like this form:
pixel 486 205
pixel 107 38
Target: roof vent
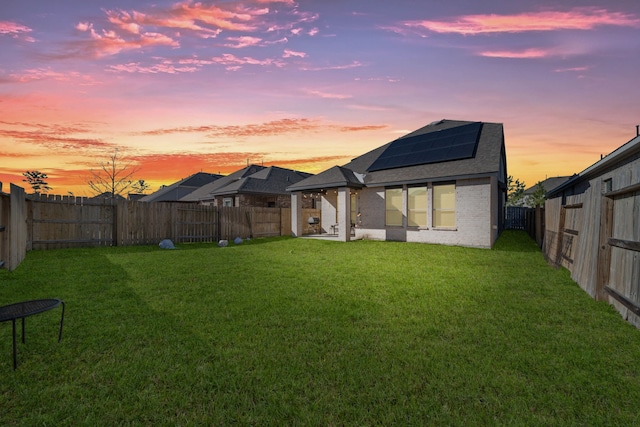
pixel 436 123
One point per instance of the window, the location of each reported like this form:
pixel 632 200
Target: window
pixel 444 205
pixel 227 202
pixel 417 207
pixel 393 203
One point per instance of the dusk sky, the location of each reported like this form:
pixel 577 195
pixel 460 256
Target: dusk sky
pixel 181 87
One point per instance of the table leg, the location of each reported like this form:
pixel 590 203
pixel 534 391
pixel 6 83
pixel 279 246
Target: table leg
pixel 61 322
pixel 15 360
pixel 23 330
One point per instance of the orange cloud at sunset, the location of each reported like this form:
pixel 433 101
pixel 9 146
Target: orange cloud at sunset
pixel 271 128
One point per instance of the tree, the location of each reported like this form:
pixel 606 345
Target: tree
pixel 113 176
pixel 140 186
pixel 538 197
pixel 37 180
pixel 515 192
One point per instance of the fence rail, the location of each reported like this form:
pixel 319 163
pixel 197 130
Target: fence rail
pixel 52 222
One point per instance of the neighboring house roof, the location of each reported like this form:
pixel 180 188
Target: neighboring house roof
pixel 108 195
pixel 178 190
pixel 134 197
pixel 271 180
pixel 205 191
pixel 443 150
pixel 549 184
pixel 621 155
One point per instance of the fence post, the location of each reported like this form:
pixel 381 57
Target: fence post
pixel 558 256
pixel 604 249
pixel 114 217
pixel 17 227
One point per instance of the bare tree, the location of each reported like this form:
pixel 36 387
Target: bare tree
pixel 113 176
pixel 140 186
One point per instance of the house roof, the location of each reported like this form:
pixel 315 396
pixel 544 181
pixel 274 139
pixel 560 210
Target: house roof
pixel 205 191
pixel 629 150
pixel 177 190
pixel 336 176
pixel 437 142
pixel 548 184
pixel 270 180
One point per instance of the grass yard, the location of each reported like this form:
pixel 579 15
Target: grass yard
pixel 289 331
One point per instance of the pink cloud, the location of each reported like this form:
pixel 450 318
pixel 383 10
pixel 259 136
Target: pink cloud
pixel 244 41
pixel 522 54
pixel 234 63
pixel 327 95
pixel 292 53
pixel 165 26
pixel 124 21
pixel 354 64
pixel 110 43
pixel 581 18
pixel 163 67
pixel 35 74
pixel 16 31
pixel 573 69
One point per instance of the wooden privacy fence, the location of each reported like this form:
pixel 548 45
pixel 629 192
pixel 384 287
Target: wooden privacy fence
pixel 596 236
pixel 527 219
pixel 13 230
pixel 51 222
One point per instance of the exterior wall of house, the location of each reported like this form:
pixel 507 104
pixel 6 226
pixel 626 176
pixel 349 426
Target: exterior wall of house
pixel 259 201
pixel 371 207
pixel 329 208
pixel 475 217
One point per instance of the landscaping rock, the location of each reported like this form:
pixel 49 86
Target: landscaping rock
pixel 223 243
pixel 166 244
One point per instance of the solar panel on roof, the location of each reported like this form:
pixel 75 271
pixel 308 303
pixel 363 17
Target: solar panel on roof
pixel 445 145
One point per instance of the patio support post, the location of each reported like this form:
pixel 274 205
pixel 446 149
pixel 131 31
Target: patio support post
pixel 296 214
pixel 344 214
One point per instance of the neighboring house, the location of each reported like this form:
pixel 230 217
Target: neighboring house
pixel 443 183
pixel 177 190
pixel 548 185
pixel 254 185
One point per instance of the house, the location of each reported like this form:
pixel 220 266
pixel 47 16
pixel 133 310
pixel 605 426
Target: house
pixel 592 227
pixel 177 190
pixel 443 183
pixel 254 185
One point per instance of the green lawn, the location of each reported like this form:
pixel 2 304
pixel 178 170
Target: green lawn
pixel 289 331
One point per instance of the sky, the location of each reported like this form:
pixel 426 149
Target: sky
pixel 180 87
